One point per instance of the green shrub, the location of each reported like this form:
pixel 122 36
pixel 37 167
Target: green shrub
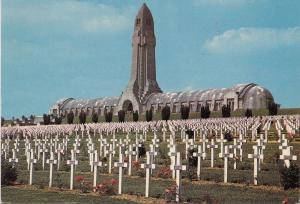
pixel 149 115
pixel 70 117
pixel 228 136
pixel 57 120
pixel 226 111
pixel 165 113
pixel 289 176
pixel 135 116
pixel 121 115
pixel 95 117
pixel 273 108
pixel 205 112
pixel 46 119
pixel 82 117
pixel 192 161
pixel 248 113
pixel 108 116
pixel 185 111
pixel 9 173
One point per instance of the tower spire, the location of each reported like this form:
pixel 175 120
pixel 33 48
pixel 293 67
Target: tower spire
pixel 143 69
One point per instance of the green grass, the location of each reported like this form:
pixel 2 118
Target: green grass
pixel 212 186
pixel 15 195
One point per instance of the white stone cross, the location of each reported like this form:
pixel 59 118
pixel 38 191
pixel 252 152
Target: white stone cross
pixel 199 155
pixel 235 146
pixel 51 145
pixel 256 156
pixel 59 151
pixel 73 162
pixel 152 154
pixel 241 141
pixel 27 151
pixel 14 159
pixel 91 152
pixel 172 154
pixel 127 140
pixel 51 161
pixel 148 166
pixel 178 167
pixel 225 155
pixel 284 144
pixel 221 141
pixel 114 140
pixel 121 164
pixel 110 152
pixel 32 161
pixel 212 146
pixel 55 142
pixel 121 146
pixel 96 163
pixel 136 146
pixel 100 140
pixel 43 150
pixel 261 147
pixel 130 152
pixel 287 156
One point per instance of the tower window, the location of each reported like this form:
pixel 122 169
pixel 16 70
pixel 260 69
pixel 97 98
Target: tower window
pixel 138 21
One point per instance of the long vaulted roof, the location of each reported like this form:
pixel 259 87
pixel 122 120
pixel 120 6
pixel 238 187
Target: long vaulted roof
pixel 199 95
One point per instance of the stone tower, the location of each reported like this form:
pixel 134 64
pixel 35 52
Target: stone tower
pixel 143 71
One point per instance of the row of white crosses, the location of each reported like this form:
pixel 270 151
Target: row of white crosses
pixel 175 164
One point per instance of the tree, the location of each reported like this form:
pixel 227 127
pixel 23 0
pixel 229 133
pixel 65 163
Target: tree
pixel 95 117
pixel 226 111
pixel 165 113
pixel 46 119
pixel 135 116
pixel 273 108
pixel 9 173
pixel 149 115
pixel 2 121
pixel 121 115
pixel 57 120
pixel 31 117
pixel 289 176
pixel 82 117
pixel 248 113
pixel 108 116
pixel 185 111
pixel 205 112
pixel 70 117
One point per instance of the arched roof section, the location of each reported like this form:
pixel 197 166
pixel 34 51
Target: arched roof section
pixel 200 95
pixel 91 103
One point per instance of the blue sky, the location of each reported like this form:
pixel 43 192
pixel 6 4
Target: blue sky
pixel 54 49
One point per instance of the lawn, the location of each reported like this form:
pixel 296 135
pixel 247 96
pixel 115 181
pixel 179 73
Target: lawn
pixel 210 188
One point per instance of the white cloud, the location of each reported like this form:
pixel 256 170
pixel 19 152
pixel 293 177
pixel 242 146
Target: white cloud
pixel 67 16
pixel 221 2
pixel 249 39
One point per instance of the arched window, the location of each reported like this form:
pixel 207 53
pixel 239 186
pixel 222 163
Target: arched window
pixel 138 21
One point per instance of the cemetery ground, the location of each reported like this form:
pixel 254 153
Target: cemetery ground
pixel 210 188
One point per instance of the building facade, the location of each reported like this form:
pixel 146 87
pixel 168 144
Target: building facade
pixel 143 92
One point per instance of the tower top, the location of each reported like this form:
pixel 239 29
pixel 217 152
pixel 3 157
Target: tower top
pixel 144 18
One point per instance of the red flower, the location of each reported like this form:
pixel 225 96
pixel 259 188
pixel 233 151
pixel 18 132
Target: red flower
pixel 136 164
pixel 113 181
pixel 285 200
pixel 79 178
